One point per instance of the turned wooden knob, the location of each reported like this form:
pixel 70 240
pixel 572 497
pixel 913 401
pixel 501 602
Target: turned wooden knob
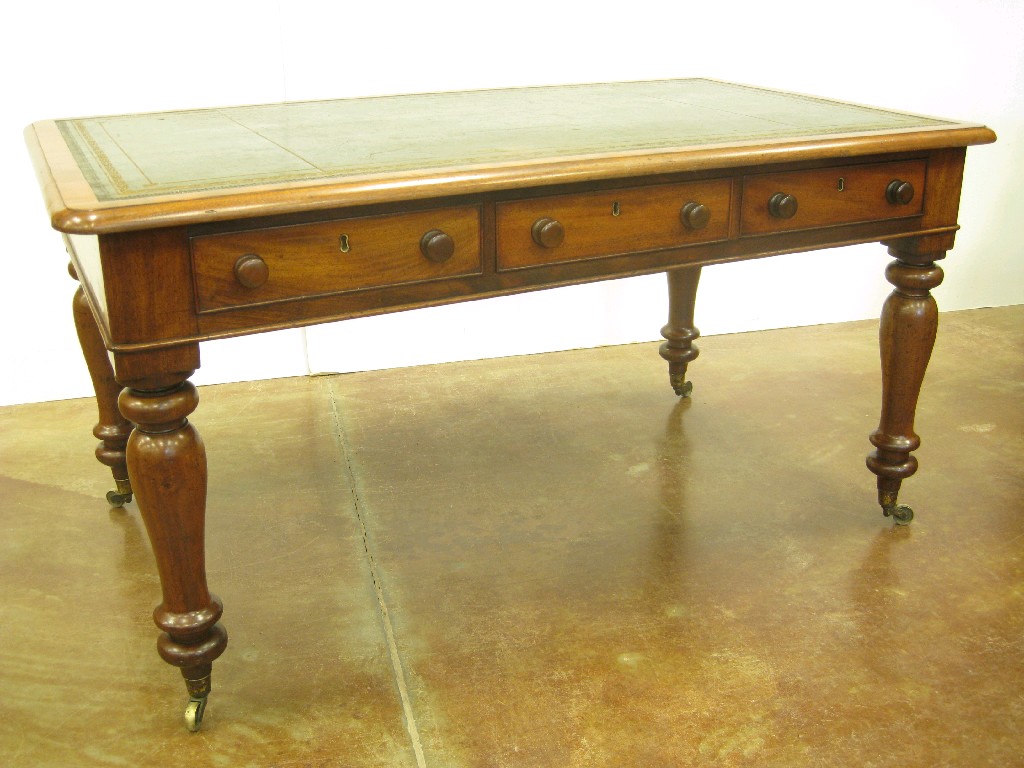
pixel 899 192
pixel 548 233
pixel 694 215
pixel 437 245
pixel 782 206
pixel 251 271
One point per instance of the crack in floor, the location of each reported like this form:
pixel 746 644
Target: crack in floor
pixel 389 630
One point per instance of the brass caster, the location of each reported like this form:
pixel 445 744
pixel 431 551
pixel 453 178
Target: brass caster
pixel 194 713
pixel 121 494
pixel 116 499
pixel 680 387
pixel 900 513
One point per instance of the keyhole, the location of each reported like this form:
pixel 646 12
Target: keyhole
pixel 842 184
pixel 343 244
pixel 615 209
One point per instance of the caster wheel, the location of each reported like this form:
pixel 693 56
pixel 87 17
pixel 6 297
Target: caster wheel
pixel 684 389
pixel 194 713
pixel 116 499
pixel 900 513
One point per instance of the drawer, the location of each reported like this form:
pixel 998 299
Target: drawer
pixel 827 196
pixel 258 266
pixel 562 228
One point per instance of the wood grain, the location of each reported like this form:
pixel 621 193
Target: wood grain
pixel 647 219
pixel 829 196
pixel 126 172
pixel 307 260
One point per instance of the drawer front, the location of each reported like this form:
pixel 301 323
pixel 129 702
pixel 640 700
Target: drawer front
pixel 828 196
pixel 258 266
pixel 595 224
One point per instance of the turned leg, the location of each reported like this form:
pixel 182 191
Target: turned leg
pixel 909 321
pixel 680 332
pixel 112 429
pixel 167 463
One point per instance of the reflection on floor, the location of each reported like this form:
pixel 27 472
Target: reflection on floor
pixel 546 561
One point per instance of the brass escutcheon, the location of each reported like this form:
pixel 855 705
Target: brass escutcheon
pixel 343 244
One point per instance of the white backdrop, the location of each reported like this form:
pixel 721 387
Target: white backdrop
pixel 939 57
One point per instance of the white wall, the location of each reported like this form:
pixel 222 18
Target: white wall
pixel 64 59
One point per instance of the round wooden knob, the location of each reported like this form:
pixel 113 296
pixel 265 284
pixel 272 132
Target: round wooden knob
pixel 251 271
pixel 782 206
pixel 899 192
pixel 694 215
pixel 437 245
pixel 548 233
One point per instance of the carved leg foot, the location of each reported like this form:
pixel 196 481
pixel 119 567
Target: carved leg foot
pixel 906 335
pixel 680 332
pixel 167 462
pixel 113 429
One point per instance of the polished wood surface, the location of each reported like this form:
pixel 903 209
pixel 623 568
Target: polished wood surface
pixel 843 194
pixel 331 257
pixel 128 171
pixel 225 222
pixel 680 332
pixel 597 224
pixel 167 462
pixel 910 319
pixel 112 429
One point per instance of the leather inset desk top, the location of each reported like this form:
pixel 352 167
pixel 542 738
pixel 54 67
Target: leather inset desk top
pixel 385 148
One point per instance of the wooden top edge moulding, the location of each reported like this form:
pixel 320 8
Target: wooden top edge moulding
pixel 127 172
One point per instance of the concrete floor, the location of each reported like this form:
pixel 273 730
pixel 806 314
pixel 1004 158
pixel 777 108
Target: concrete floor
pixel 546 561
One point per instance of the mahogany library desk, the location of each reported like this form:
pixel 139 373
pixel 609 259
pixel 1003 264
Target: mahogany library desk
pixel 187 226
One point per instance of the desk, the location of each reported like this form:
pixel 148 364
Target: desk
pixel 188 226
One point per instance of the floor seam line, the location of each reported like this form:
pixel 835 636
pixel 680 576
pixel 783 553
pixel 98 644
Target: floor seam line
pixel 389 630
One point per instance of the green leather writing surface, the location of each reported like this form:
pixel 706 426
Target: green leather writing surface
pixel 170 153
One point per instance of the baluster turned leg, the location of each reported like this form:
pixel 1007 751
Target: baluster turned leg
pixel 680 332
pixel 112 429
pixel 167 462
pixel 909 322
